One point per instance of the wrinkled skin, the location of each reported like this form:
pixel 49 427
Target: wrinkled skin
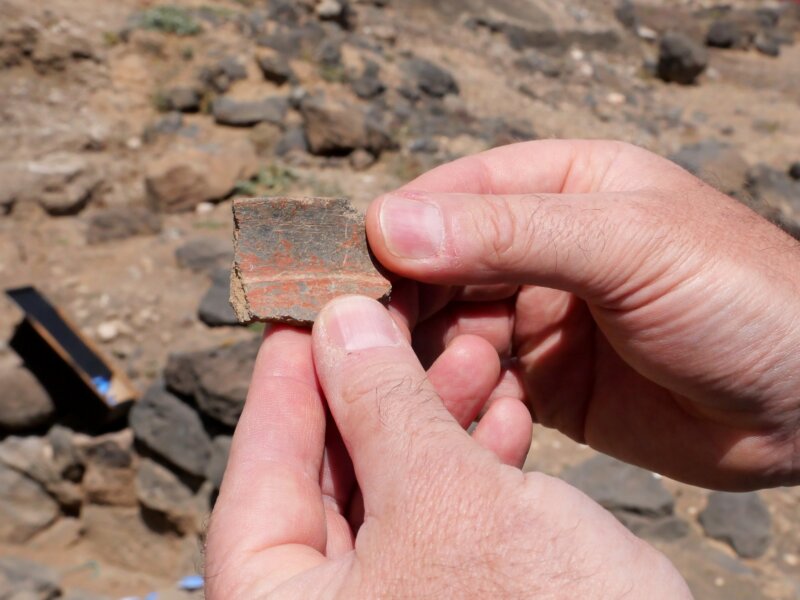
pixel 635 309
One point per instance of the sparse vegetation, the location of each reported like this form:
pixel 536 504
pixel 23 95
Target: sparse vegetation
pixel 169 19
pixel 274 179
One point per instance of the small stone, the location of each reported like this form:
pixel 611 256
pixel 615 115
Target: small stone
pixel 620 487
pixel 368 85
pixel 215 308
pixel 235 113
pixel 361 160
pixel 335 127
pixel 110 465
pixel 187 175
pixel 276 69
pixel 725 33
pixel 220 449
pixel 217 379
pixel 25 507
pixel 63 183
pixel 107 331
pixel 118 223
pixel 718 164
pixel 794 171
pixel 219 76
pixel 27 580
pixel 172 430
pixel 159 490
pixel 430 78
pixel 681 59
pixel 205 254
pixel 741 520
pixel 24 403
pixel 183 99
pixel 767 45
pixel 292 255
pixel 293 140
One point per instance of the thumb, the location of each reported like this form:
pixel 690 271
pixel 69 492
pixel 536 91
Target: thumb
pixel 588 244
pixel 391 419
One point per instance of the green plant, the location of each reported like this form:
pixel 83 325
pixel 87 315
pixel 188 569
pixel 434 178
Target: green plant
pixel 160 101
pixel 333 73
pixel 111 38
pixel 272 179
pixel 169 19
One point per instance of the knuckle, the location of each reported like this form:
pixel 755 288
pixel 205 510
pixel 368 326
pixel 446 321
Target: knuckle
pixel 505 234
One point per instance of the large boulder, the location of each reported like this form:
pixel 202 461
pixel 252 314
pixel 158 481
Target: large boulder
pixel 25 507
pixel 217 379
pixel 24 403
pixel 172 430
pixel 741 520
pixel 337 127
pixel 680 59
pixel 187 175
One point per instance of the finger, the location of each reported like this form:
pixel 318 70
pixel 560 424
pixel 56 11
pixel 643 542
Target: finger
pixel 592 245
pixel 390 417
pixel 493 321
pixel 465 375
pixel 486 293
pixel 270 501
pixel 551 167
pixel 506 430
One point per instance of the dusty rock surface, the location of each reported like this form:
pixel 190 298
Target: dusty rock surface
pixel 128 127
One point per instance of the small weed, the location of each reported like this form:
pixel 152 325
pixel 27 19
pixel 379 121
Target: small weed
pixel 160 101
pixel 273 179
pixel 257 327
pixel 333 73
pixel 111 39
pixel 169 19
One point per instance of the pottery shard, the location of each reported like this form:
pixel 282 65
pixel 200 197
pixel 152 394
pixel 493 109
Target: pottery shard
pixel 293 255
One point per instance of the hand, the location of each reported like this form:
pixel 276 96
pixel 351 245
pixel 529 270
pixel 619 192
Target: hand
pixel 442 516
pixel 641 311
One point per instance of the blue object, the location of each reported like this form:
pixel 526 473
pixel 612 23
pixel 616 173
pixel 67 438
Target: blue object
pixel 191 583
pixel 151 596
pixel 103 386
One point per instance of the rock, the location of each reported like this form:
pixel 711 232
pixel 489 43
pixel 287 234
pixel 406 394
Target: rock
pixel 220 449
pixel 361 160
pixel 292 255
pixel 293 41
pixel 666 528
pixel 430 78
pixel 620 487
pixel 24 579
pixel 334 127
pixel 680 59
pixel 625 12
pixel 775 188
pixel 329 53
pixel 368 85
pixel 205 254
pixel 215 308
pixel 64 533
pixel 187 175
pixel 329 9
pixel 63 183
pixel 276 69
pixel 159 490
pixel 217 379
pixel 794 171
pixel 169 124
pixel 741 520
pixel 110 465
pixel 219 76
pixel 172 430
pixel 119 223
pixel 25 405
pixel 767 45
pixel 265 136
pixel 228 111
pixel 716 163
pixel 536 62
pixel 25 507
pixel 726 33
pixel 293 140
pixel 53 465
pixel 183 99
pixel 123 538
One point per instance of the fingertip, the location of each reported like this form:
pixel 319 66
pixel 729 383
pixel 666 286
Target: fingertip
pixel 506 430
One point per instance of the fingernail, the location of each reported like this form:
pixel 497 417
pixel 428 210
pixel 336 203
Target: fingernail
pixel 411 228
pixel 358 323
